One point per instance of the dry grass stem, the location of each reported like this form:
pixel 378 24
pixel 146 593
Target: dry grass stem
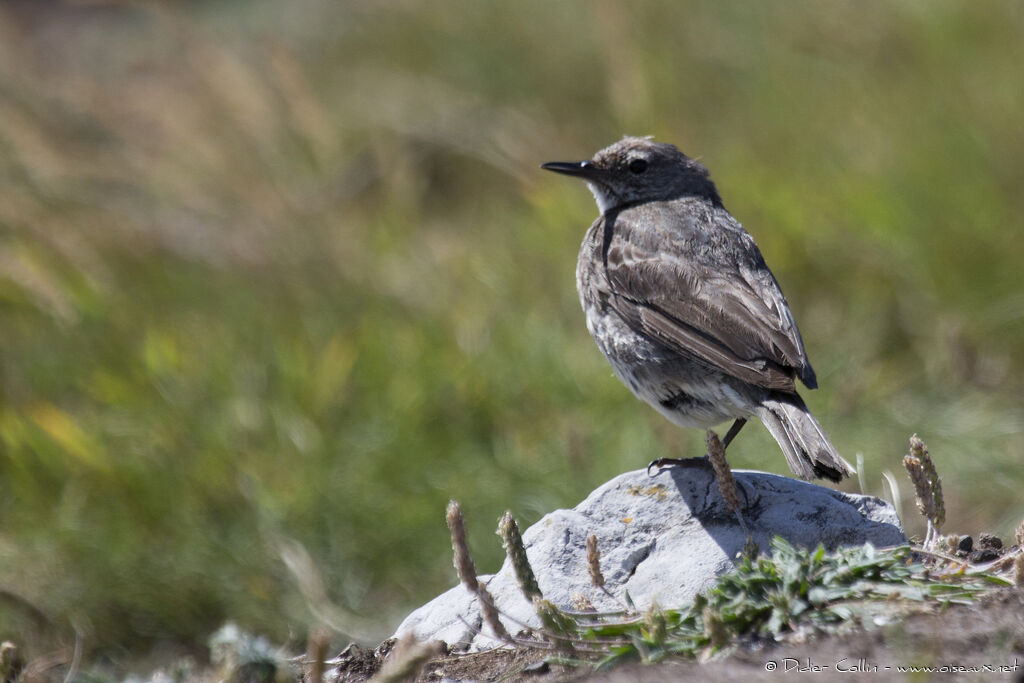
pixel 726 482
pixel 918 449
pixel 467 570
pixel 927 486
pixel 463 560
pixel 317 653
pixel 490 612
pixel 594 562
pixel 10 664
pixel 895 497
pixel 512 540
pixel 723 474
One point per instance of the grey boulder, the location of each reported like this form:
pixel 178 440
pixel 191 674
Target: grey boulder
pixel 662 538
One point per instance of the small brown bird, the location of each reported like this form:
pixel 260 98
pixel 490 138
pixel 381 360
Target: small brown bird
pixel 680 301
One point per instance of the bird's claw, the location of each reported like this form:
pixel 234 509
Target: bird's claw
pixel 676 462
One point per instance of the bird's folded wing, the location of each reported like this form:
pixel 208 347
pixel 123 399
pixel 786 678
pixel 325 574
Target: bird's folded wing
pixel 731 315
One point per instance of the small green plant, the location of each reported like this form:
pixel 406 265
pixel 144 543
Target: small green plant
pixel 794 590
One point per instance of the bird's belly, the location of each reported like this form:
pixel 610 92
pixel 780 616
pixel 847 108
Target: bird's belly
pixel 687 392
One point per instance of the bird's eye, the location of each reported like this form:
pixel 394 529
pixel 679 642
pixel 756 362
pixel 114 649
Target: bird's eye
pixel 638 166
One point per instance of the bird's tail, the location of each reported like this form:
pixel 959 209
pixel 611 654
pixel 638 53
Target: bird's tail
pixel 808 451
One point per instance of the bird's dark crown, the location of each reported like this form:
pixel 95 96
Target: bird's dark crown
pixel 635 170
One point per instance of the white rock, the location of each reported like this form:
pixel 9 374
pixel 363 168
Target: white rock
pixel 662 538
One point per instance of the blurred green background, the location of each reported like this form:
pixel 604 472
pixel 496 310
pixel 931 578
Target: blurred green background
pixel 277 280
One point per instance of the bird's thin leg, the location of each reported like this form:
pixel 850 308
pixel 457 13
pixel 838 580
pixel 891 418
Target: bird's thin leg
pixel 733 431
pixel 702 460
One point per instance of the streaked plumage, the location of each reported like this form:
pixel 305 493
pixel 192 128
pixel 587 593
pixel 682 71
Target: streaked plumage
pixel 681 303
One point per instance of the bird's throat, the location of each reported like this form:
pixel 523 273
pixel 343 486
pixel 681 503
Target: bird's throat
pixel 603 198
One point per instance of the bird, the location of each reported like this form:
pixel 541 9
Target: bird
pixel 683 306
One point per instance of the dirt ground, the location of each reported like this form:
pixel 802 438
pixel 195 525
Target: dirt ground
pixel 980 642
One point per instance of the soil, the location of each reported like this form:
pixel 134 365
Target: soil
pixel 984 641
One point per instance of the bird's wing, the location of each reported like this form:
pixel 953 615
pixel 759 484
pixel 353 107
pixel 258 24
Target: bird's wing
pixel 706 292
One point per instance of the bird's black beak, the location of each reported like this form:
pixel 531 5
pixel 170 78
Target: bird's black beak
pixel 581 169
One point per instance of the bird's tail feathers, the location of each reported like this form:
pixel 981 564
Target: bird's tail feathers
pixel 808 451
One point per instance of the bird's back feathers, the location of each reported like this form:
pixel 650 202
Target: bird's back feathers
pixel 694 280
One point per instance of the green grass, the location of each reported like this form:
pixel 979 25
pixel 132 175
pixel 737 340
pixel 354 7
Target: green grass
pixel 788 593
pixel 274 273
pixel 794 591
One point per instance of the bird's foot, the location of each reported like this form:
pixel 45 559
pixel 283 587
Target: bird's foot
pixel 677 462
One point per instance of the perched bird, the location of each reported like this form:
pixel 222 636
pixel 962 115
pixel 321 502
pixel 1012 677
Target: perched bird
pixel 680 301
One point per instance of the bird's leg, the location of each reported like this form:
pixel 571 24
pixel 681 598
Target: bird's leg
pixel 702 460
pixel 733 431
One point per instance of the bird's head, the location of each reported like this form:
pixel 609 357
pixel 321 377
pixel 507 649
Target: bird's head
pixel 636 170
